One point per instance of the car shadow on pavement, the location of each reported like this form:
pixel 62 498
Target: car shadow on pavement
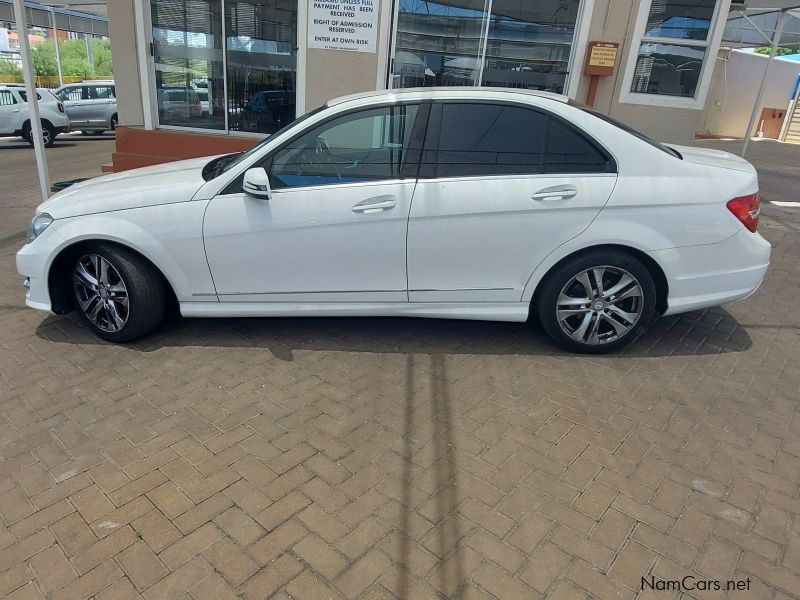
pixel 708 332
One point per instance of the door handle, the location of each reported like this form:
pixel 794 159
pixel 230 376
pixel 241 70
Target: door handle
pixel 376 204
pixel 557 192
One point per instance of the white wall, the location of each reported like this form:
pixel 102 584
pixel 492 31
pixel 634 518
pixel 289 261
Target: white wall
pixel 735 86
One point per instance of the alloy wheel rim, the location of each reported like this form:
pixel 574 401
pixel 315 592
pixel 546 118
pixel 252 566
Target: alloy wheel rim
pixel 45 136
pixel 600 305
pixel 101 293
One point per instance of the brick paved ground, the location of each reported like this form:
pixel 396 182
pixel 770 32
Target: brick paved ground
pixel 382 459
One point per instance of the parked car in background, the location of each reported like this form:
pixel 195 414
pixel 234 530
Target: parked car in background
pixel 178 104
pixel 91 105
pixel 15 114
pixel 205 101
pixel 461 203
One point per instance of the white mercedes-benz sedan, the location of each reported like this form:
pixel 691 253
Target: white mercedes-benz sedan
pixel 462 203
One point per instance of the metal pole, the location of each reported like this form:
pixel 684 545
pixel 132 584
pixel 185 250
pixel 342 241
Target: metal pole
pixel 58 52
pixel 776 40
pixel 33 102
pixel 89 50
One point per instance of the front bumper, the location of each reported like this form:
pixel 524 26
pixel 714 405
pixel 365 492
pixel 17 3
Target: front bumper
pixel 714 274
pixel 33 263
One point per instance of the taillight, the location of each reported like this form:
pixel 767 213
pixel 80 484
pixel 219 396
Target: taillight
pixel 746 209
pixel 60 107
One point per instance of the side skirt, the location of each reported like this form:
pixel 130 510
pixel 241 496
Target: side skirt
pixel 476 311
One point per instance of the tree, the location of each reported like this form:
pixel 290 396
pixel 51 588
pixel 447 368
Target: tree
pixel 74 62
pixel 779 52
pixel 9 67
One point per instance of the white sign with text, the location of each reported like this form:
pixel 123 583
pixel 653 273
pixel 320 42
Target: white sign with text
pixel 343 25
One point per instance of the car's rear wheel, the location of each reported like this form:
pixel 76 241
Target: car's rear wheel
pixel 119 295
pixel 597 302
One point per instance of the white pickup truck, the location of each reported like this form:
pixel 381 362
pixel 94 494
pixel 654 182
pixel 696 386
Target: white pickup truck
pixel 15 116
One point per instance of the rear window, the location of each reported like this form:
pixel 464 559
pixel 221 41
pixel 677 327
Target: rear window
pixel 632 131
pixel 24 95
pixel 485 139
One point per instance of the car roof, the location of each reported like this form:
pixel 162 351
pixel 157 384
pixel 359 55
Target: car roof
pixel 432 93
pixel 20 87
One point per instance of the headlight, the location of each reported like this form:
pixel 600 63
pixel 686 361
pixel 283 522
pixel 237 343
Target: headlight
pixel 39 223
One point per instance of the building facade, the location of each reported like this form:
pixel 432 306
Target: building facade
pixel 205 76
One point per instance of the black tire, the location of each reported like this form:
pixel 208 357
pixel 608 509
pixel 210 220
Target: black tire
pixel 145 290
pixel 48 132
pixel 616 263
pixel 114 122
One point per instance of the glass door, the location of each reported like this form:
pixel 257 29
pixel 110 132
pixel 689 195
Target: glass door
pixel 261 52
pixel 439 43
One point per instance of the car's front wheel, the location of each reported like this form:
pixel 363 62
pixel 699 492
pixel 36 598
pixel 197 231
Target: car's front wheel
pixel 119 295
pixel 49 134
pixel 597 302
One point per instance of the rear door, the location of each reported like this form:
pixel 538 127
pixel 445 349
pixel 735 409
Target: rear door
pixel 501 186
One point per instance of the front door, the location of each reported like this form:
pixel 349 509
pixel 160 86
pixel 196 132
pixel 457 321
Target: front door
pixel 99 106
pixel 501 187
pixel 77 104
pixel 335 227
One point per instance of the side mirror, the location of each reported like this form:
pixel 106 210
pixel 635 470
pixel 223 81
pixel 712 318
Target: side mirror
pixel 256 183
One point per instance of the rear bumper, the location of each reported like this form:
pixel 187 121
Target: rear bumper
pixel 710 275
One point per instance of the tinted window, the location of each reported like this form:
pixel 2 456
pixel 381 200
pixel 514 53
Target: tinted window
pixel 103 92
pixel 364 146
pixel 491 139
pixel 568 151
pixel 24 95
pixel 73 93
pixel 7 98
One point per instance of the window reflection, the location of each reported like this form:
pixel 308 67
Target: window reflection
pixel 680 19
pixel 187 48
pixel 529 44
pixel 668 69
pixel 262 64
pixel 438 43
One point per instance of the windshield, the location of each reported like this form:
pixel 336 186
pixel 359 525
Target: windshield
pixel 223 164
pixel 631 130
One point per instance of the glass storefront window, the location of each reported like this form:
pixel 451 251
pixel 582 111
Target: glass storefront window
pixel 529 44
pixel 261 63
pixel 187 51
pixel 502 43
pixel 192 73
pixel 438 43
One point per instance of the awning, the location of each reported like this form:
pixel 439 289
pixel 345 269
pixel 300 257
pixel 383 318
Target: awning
pixel 759 23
